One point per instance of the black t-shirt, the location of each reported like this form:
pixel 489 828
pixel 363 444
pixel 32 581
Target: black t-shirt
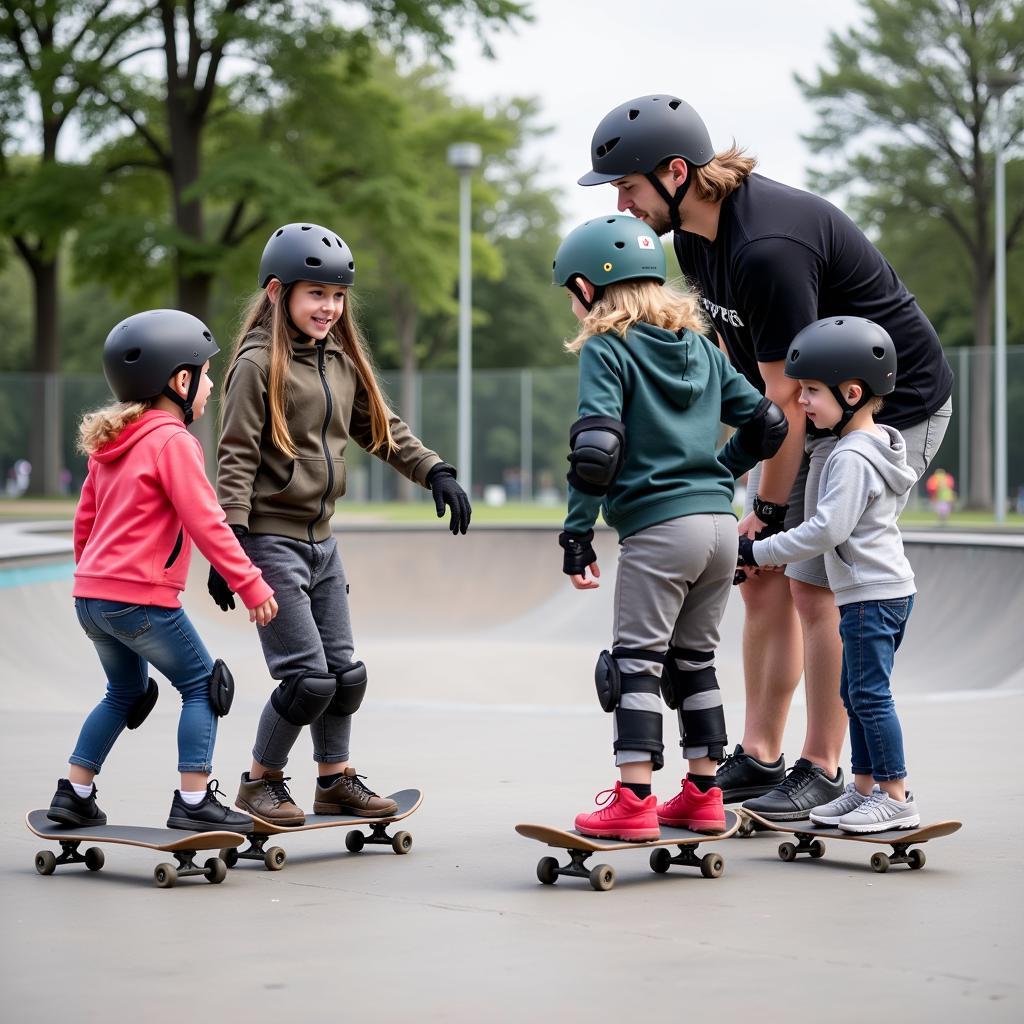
pixel 785 258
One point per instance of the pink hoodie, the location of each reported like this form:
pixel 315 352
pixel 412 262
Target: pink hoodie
pixel 145 498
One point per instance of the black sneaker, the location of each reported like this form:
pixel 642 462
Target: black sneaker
pixel 805 787
pixel 741 777
pixel 209 815
pixel 68 808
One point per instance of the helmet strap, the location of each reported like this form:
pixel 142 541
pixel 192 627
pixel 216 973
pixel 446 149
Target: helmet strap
pixel 672 199
pixel 185 404
pixel 588 304
pixel 848 410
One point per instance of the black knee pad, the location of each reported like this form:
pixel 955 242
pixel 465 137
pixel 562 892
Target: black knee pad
pixel 350 692
pixel 699 701
pixel 608 676
pixel 140 710
pixel 303 699
pixel 638 716
pixel 221 689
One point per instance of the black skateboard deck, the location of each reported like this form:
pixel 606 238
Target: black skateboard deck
pixel 184 846
pixel 810 839
pixel 274 858
pixel 602 876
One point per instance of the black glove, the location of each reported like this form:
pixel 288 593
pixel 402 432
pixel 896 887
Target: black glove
pixel 222 594
pixel 579 553
pixel 746 552
pixel 446 491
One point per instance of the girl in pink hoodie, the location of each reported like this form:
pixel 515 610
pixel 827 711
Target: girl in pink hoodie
pixel 144 501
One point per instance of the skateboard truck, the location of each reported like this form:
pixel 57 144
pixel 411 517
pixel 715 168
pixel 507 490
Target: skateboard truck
pixel 602 876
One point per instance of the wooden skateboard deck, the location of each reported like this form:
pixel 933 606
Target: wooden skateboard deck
pixel 184 846
pixel 274 858
pixel 810 839
pixel 602 876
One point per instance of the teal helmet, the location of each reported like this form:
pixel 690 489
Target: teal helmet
pixel 609 249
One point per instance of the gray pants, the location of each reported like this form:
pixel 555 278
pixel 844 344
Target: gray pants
pixel 311 635
pixel 672 587
pixel 922 440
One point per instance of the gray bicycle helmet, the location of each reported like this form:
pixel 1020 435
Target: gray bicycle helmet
pixel 307 252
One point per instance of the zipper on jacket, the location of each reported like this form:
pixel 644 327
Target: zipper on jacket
pixel 176 550
pixel 320 355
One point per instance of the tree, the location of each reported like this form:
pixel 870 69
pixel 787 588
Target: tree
pixel 908 111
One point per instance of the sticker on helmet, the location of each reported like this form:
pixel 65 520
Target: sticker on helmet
pixel 645 241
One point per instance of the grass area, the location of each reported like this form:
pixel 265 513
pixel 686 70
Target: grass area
pixel 511 514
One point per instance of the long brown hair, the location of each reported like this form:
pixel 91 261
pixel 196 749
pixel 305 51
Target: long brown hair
pixel 265 318
pixel 722 176
pixel 101 426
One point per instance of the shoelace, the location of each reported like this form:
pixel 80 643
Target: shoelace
pixel 213 790
pixel 795 777
pixel 730 760
pixel 873 801
pixel 608 794
pixel 279 790
pixel 358 784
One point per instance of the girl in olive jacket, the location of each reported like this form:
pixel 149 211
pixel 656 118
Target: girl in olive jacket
pixel 301 385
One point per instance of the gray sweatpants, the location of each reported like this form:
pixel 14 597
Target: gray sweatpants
pixel 311 634
pixel 673 584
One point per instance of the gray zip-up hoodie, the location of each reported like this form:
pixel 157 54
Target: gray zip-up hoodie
pixel 864 485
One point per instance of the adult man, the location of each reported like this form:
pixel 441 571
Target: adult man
pixel 768 260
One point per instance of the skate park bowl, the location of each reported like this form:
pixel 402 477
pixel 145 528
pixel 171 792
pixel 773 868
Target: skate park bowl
pixel 480 659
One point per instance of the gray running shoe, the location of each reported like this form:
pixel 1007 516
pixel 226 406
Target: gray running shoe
pixel 830 813
pixel 880 813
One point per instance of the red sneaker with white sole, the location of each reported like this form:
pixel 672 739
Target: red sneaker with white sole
pixel 623 815
pixel 694 810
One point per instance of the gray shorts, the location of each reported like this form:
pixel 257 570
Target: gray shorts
pixel 922 440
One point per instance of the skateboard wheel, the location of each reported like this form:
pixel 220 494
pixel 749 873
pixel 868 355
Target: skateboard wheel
pixel 661 860
pixel 547 870
pixel 274 858
pixel 817 849
pixel 229 856
pixel 165 875
pixel 787 851
pixel 94 858
pixel 712 865
pixel 216 870
pixel 46 863
pixel 402 842
pixel 880 862
pixel 602 878
pixel 746 829
pixel 355 841
pixel 916 859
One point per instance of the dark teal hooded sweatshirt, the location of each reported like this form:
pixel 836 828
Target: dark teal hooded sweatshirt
pixel 672 392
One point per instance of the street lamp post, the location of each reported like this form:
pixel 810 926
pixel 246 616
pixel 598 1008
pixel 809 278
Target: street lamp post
pixel 465 158
pixel 999 83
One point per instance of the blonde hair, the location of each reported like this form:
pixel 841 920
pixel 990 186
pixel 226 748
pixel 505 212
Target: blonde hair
pixel 629 302
pixel 101 426
pixel 267 317
pixel 722 176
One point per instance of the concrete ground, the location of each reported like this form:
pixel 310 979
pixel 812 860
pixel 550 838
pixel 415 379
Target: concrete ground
pixel 480 659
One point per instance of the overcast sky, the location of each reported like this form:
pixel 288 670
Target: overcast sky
pixel 733 60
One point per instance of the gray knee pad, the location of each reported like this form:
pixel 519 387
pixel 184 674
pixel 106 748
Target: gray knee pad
pixel 698 699
pixel 608 676
pixel 140 710
pixel 221 689
pixel 350 692
pixel 303 699
pixel 638 716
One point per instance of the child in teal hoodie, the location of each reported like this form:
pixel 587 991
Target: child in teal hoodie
pixel 653 393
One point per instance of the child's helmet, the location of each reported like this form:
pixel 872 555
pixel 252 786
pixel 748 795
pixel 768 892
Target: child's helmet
pixel 842 348
pixel 142 353
pixel 307 252
pixel 609 249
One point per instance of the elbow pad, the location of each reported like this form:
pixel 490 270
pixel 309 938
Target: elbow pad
pixel 762 435
pixel 596 451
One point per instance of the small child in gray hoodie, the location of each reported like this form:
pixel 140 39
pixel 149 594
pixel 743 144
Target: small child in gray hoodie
pixel 844 366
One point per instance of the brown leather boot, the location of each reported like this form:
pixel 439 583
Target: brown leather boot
pixel 268 798
pixel 348 795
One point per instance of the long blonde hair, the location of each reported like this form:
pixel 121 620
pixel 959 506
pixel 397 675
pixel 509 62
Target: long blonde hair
pixel 267 317
pixel 629 302
pixel 722 176
pixel 101 426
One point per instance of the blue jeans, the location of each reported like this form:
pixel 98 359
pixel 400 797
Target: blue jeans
pixel 126 638
pixel 872 632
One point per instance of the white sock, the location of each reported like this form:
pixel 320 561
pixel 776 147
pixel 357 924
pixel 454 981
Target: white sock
pixel 192 798
pixel 83 791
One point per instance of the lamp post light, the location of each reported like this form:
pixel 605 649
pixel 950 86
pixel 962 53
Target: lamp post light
pixel 999 83
pixel 465 158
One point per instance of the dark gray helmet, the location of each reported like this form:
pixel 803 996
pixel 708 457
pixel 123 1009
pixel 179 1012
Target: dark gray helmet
pixel 142 353
pixel 307 252
pixel 637 136
pixel 843 348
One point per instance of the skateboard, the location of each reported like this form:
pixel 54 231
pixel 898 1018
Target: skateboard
pixel 602 876
pixel 809 839
pixel 274 858
pixel 184 846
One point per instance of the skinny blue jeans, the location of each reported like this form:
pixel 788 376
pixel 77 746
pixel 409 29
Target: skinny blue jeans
pixel 128 638
pixel 872 632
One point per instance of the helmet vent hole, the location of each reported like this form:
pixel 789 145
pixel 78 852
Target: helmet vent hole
pixel 132 355
pixel 839 323
pixel 307 227
pixel 312 261
pixel 606 147
pixel 326 242
pixel 634 114
pixel 794 355
pixel 207 335
pixel 674 104
pixel 279 232
pixel 878 352
pixel 351 265
pixel 341 244
pixel 610 220
pixel 620 245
